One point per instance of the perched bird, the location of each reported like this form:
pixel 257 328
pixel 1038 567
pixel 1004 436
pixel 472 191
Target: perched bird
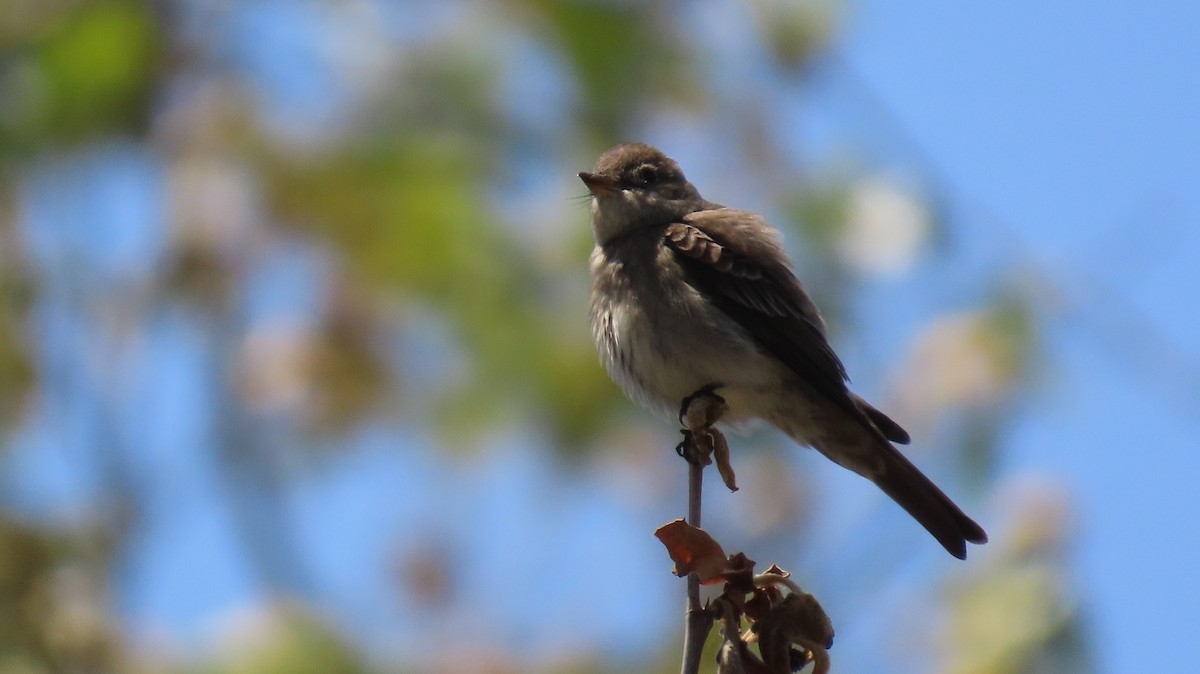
pixel 689 296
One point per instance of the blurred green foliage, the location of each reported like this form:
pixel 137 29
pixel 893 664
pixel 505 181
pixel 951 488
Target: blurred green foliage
pixel 16 371
pixel 75 70
pixel 623 55
pixel 297 644
pixel 54 611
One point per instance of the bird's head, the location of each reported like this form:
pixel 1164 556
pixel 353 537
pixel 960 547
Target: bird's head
pixel 635 185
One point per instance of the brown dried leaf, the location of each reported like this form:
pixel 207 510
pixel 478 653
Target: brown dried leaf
pixel 735 657
pixel 696 447
pixel 776 571
pixel 721 454
pixel 821 657
pixel 799 620
pixel 739 573
pixel 757 607
pixel 693 551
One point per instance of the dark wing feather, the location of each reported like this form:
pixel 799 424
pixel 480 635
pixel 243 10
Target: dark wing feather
pixel 890 429
pixel 715 249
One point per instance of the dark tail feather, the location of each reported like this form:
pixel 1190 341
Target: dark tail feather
pixel 907 486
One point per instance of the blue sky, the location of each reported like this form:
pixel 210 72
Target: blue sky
pixel 1073 127
pixel 1063 136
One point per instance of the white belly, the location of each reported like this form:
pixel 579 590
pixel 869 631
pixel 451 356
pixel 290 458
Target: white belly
pixel 660 358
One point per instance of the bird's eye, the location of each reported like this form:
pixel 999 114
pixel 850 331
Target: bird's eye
pixel 647 174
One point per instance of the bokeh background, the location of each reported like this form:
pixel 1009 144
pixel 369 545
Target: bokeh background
pixel 295 372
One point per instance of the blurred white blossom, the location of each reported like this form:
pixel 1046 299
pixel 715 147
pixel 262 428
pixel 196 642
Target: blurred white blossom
pixel 964 360
pixel 1005 613
pixel 275 362
pixel 885 226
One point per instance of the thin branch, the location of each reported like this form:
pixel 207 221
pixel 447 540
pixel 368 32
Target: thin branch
pixel 699 412
pixel 698 621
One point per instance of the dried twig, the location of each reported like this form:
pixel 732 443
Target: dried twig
pixel 790 629
pixel 699 621
pixel 699 411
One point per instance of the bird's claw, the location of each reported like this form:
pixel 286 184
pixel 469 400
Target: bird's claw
pixel 701 440
pixel 702 409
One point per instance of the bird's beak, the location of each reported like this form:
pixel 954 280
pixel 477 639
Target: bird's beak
pixel 597 184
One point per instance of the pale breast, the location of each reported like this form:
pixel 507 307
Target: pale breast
pixel 660 341
pixel 614 312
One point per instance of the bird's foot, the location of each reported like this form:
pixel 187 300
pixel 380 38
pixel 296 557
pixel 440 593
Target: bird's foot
pixel 702 408
pixel 700 411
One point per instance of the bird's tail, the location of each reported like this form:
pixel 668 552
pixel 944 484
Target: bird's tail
pixel 928 504
pixel 861 443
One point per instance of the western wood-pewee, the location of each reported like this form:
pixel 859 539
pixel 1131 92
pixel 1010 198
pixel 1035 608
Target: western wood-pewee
pixel 690 296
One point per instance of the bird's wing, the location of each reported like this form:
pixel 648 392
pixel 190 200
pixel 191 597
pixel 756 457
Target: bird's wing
pixel 734 259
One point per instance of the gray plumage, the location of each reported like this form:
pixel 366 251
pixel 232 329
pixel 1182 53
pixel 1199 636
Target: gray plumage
pixel 688 294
